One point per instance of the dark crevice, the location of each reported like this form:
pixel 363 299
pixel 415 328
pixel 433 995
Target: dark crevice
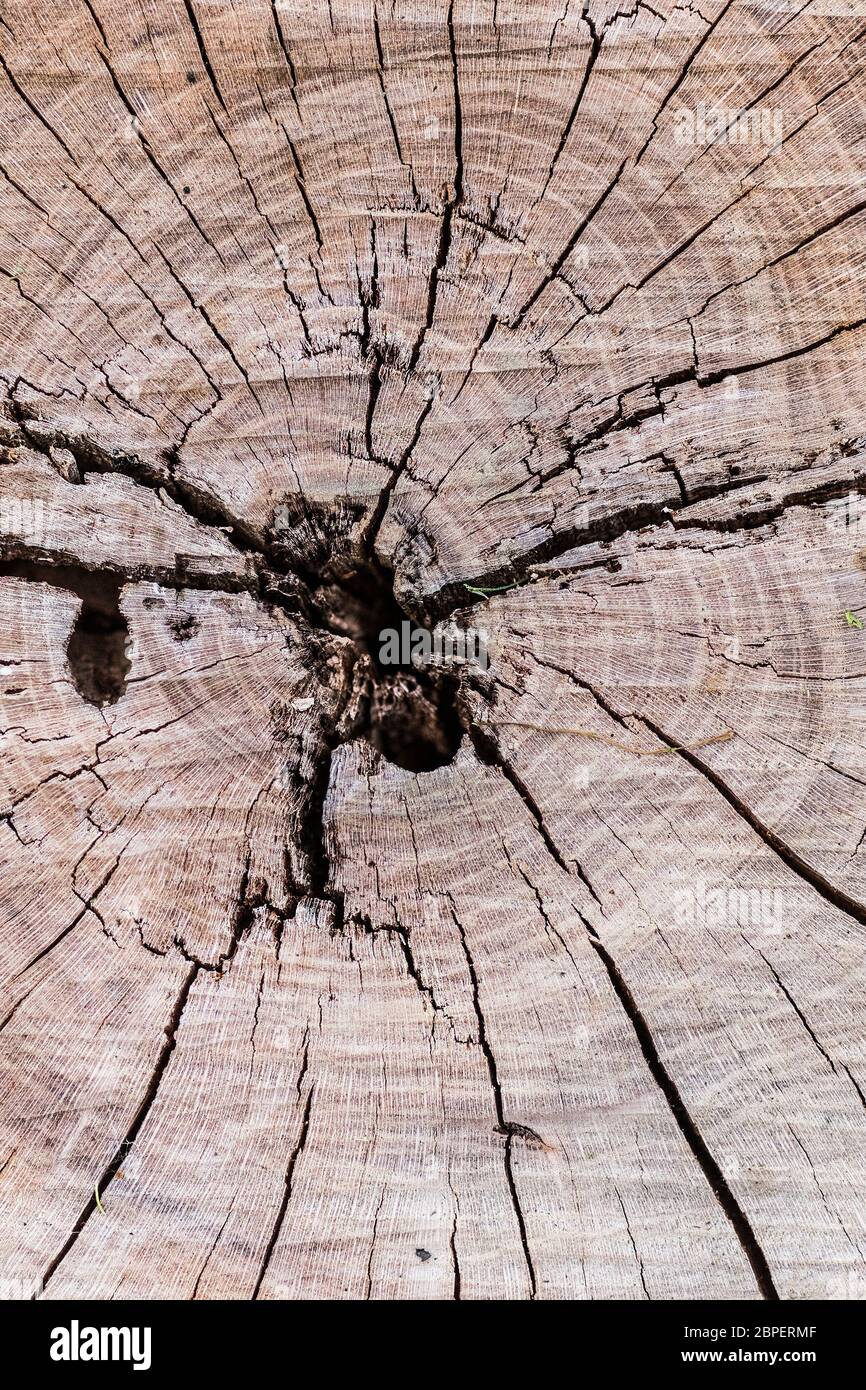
pixel 321 570
pixel 96 651
pixel 452 203
pixel 409 715
pixel 287 54
pixel 683 74
pixel 831 894
pixel 309 566
pixel 519 571
pixel 242 921
pixel 203 53
pixel 377 516
pixel 596 40
pixel 413 720
pixel 300 183
pixel 288 1181
pixel 407 712
pixel 490 754
pixel 138 1120
pixel 380 73
pixel 311 836
pixel 89 457
pixel 711 1170
pixel 164 179
pixel 674 512
pixel 783 989
pixel 442 253
pixel 570 245
pixel 34 109
pixel 340 587
pixel 504 1126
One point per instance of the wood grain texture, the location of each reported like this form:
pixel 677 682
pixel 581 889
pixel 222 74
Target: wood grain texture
pixel 324 980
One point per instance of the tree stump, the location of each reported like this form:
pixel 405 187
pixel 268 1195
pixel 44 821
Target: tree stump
pixel 537 977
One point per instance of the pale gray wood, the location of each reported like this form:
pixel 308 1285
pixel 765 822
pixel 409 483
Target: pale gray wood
pixel 292 297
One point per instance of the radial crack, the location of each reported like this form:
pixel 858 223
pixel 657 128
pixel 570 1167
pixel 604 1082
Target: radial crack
pixel 504 1126
pixel 689 1130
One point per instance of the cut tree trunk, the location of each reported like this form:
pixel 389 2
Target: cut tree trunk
pixel 533 977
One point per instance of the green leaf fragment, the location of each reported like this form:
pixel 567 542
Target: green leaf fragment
pixel 497 589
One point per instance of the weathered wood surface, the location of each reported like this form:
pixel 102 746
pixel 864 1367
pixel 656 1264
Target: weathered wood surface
pixel 320 982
